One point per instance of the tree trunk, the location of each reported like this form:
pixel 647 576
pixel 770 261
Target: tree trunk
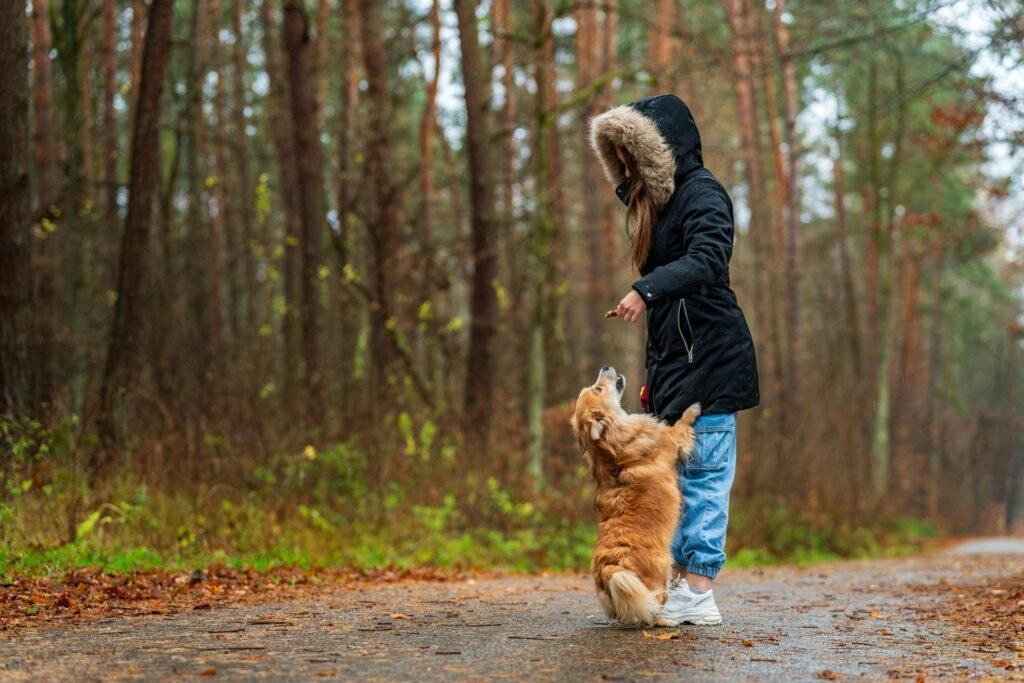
pixel 881 459
pixel 427 126
pixel 288 190
pixel 109 114
pixel 1014 522
pixel 659 44
pixel 15 248
pixel 503 53
pixel 935 444
pixel 46 153
pixel 791 107
pixel 320 45
pixel 85 133
pixel 779 215
pixel 48 190
pixel 123 358
pixel 613 247
pixel 480 367
pixel 309 172
pixel 351 14
pixel 137 30
pixel 546 179
pixel 872 210
pixel 203 275
pixel 764 321
pixel 746 110
pixel 850 294
pixel 426 351
pixel 588 60
pixel 67 21
pixel 346 187
pixel 380 206
pixel 222 233
pixel 881 451
pixel 244 264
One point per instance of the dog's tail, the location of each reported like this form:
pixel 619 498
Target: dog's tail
pixel 634 604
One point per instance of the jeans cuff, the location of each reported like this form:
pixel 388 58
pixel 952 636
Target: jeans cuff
pixel 708 570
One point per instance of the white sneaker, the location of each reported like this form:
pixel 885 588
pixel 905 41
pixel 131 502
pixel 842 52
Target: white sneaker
pixel 683 606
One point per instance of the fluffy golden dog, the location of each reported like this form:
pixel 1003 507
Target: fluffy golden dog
pixel 633 460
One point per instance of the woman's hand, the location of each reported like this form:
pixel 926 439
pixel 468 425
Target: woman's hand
pixel 631 307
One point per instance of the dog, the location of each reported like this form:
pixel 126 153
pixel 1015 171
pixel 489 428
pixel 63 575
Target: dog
pixel 633 461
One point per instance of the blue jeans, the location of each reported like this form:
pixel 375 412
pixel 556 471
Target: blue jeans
pixel 705 479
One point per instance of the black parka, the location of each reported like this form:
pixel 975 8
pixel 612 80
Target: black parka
pixel 699 348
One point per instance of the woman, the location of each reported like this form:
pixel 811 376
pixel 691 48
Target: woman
pixel 699 349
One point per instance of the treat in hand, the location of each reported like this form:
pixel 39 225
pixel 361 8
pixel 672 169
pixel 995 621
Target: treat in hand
pixel 611 314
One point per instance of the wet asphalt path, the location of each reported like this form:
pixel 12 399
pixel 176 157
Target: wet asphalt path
pixel 869 620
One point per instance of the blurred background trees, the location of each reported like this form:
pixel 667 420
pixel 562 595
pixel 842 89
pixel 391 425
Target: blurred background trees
pixel 239 232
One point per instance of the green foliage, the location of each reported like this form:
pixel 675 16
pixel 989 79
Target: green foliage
pixel 316 508
pixel 261 196
pixel 768 533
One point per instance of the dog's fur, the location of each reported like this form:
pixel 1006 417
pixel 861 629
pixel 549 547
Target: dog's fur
pixel 633 459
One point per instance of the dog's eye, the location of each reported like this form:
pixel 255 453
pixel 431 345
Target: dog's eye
pixel 599 389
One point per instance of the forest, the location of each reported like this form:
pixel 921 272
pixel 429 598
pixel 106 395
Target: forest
pixel 318 281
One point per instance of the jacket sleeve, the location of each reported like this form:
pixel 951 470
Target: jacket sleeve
pixel 707 255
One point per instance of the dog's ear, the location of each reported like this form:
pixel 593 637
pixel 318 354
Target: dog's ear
pixel 594 422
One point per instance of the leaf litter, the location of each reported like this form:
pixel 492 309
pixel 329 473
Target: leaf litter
pixel 85 595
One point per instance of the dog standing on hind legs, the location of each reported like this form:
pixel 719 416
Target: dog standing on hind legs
pixel 633 461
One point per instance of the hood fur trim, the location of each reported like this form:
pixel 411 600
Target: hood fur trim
pixel 626 127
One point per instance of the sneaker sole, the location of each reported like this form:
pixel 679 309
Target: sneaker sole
pixel 702 621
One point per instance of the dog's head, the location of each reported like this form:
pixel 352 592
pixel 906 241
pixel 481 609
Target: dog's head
pixel 597 406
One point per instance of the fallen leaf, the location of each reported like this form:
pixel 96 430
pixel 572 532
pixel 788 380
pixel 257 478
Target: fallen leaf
pixel 887 633
pixel 209 671
pixel 875 614
pixel 828 675
pixel 748 643
pixel 662 636
pixel 398 615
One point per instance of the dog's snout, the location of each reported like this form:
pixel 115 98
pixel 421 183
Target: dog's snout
pixel 605 368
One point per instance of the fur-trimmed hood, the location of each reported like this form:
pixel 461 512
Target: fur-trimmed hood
pixel 659 132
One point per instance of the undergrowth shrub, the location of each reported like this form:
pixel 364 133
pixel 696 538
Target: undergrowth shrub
pixel 404 500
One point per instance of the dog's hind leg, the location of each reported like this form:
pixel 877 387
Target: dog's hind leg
pixel 606 603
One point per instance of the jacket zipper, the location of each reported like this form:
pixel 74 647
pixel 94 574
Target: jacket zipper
pixel 688 345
